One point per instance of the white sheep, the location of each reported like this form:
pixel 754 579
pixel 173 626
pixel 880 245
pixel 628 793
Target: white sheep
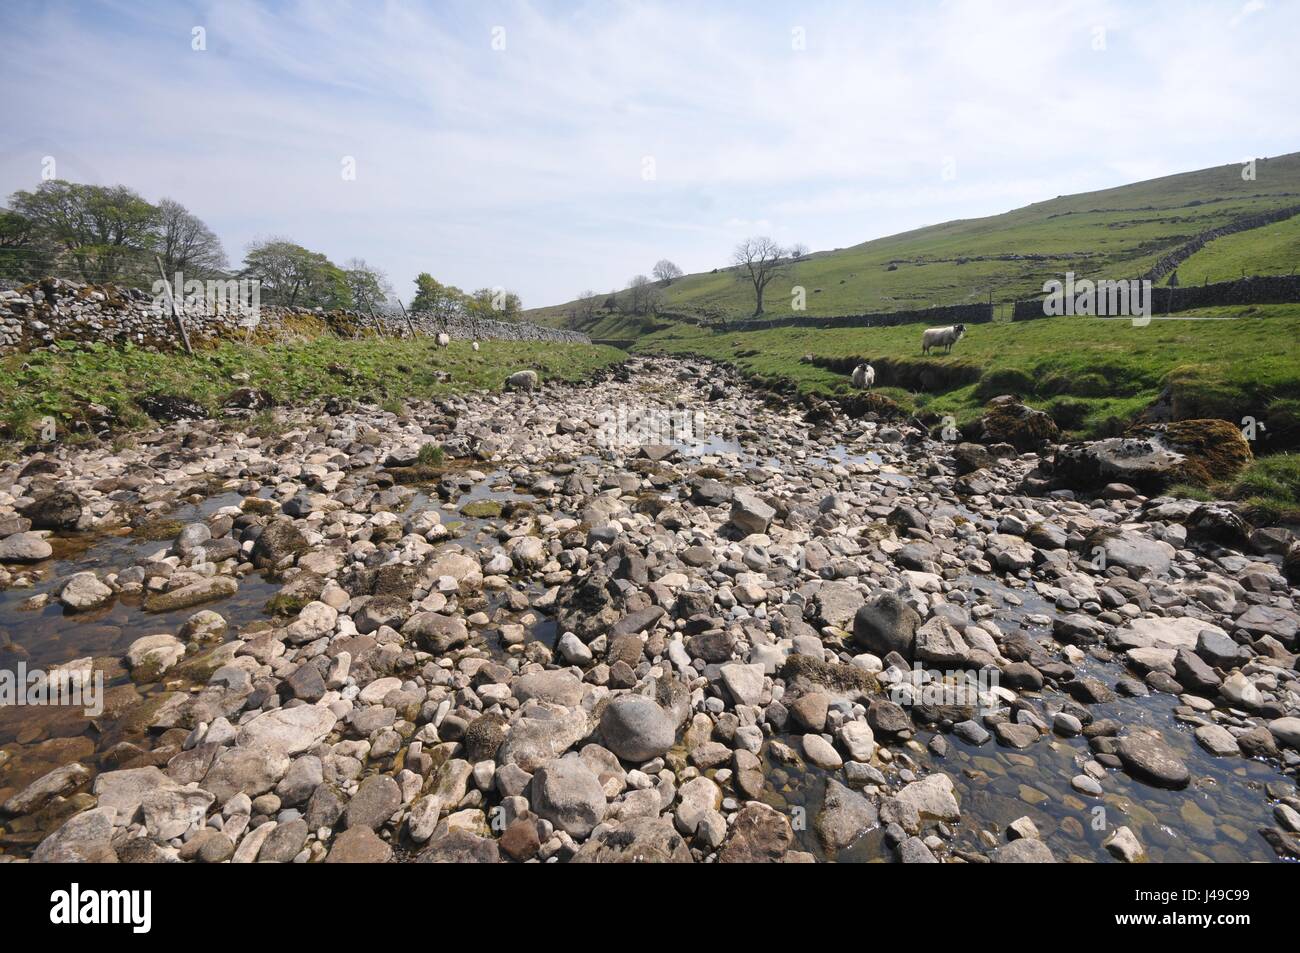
pixel 474 345
pixel 443 339
pixel 942 337
pixel 864 375
pixel 523 380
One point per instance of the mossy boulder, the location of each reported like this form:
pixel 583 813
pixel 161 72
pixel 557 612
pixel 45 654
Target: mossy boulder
pixel 1153 457
pixel 861 405
pixel 1009 421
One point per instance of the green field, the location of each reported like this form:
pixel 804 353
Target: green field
pixel 1093 375
pixel 1114 233
pixel 1270 250
pixel 63 383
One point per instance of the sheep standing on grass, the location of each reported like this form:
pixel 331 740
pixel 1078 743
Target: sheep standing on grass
pixel 942 337
pixel 443 339
pixel 864 375
pixel 474 345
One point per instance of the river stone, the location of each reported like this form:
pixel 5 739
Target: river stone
pixel 744 682
pixel 151 655
pixel 749 513
pixel 288 730
pixel 845 816
pixel 84 592
pixel 1147 758
pixel 436 633
pixel 641 840
pixel 56 510
pixel 279 541
pixel 24 548
pixel 85 838
pixel 760 834
pixel 567 793
pixel 1027 850
pixel 818 751
pixel 359 845
pixel 377 799
pixel 886 624
pixel 1217 740
pixel 196 593
pixel 250 771
pixel 1286 731
pixel 637 728
pixel 284 842
pixel 557 686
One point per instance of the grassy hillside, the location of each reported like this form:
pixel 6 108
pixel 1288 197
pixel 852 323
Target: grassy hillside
pixel 1118 232
pixel 1270 250
pixel 1092 375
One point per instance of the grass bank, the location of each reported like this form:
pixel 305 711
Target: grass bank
pixel 1094 376
pixel 65 382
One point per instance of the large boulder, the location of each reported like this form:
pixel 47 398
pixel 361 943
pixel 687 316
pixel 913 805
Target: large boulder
pixel 567 793
pixel 57 510
pixel 637 728
pixel 279 541
pixel 1152 457
pixel 886 624
pixel 1009 421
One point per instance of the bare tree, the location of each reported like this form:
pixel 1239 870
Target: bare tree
pixel 185 243
pixel 638 294
pixel 798 250
pixel 758 261
pixel 665 271
pixel 587 302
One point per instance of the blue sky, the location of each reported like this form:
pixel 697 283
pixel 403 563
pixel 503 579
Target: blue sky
pixel 526 166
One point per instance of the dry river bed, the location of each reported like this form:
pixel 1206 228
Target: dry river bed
pixel 570 639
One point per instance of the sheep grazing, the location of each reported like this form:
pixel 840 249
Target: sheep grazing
pixel 523 380
pixel 443 339
pixel 942 337
pixel 864 375
pixel 474 345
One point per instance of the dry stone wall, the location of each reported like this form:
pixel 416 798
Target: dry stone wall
pixel 949 314
pixel 53 309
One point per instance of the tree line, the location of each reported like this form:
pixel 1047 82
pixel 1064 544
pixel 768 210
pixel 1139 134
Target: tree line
pixel 757 261
pixel 101 234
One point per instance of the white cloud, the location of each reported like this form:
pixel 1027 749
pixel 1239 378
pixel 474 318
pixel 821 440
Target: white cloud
pixel 523 167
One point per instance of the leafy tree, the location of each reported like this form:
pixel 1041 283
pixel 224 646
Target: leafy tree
pixel 25 254
pixel 108 232
pixel 433 296
pixel 367 285
pixel 293 276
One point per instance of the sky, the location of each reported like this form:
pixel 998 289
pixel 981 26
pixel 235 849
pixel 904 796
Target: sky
pixel 551 148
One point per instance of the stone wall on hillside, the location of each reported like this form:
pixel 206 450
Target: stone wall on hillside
pixel 1180 254
pixel 949 314
pixel 1260 289
pixel 54 309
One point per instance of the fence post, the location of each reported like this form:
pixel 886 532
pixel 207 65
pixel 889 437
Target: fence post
pixel 410 326
pixel 176 313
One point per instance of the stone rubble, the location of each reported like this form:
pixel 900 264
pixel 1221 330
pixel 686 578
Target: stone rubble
pixel 630 656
